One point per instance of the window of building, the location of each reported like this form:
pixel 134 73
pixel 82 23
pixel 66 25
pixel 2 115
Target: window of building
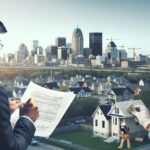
pixel 116 110
pixel 115 121
pixel 114 134
pixel 103 124
pixel 96 122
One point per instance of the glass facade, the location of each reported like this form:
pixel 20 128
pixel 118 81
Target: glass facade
pixel 95 43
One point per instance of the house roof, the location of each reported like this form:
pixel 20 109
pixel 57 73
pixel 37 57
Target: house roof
pixel 76 90
pixel 25 82
pixel 105 109
pixel 51 85
pixel 123 106
pixel 22 90
pixel 120 91
pixel 81 83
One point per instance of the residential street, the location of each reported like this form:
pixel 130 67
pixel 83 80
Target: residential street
pixel 42 146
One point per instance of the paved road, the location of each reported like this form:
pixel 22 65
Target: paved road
pixel 42 146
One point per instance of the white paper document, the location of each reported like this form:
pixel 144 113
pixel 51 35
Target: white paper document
pixel 52 106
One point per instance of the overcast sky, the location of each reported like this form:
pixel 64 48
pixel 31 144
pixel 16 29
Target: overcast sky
pixel 126 21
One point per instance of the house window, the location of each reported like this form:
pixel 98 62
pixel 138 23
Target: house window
pixel 116 110
pixel 115 121
pixel 114 134
pixel 103 124
pixel 96 122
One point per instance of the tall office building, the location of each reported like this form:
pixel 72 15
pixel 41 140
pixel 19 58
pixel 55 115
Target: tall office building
pixel 112 53
pixel 62 53
pixel 35 45
pixel 21 54
pixel 95 43
pixel 54 51
pixel 60 41
pixel 87 52
pixel 77 42
pixel 122 54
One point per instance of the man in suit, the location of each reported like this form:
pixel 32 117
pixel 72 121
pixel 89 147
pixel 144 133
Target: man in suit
pixel 20 137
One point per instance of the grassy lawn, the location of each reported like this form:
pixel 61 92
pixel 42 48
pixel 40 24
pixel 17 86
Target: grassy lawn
pixel 86 140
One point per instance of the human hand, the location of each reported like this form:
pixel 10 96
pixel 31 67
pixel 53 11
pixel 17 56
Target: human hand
pixel 141 113
pixel 14 104
pixel 30 109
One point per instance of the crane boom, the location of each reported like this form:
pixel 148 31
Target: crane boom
pixel 133 48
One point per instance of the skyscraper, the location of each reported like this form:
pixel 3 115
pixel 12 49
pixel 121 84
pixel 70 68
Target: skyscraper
pixel 62 53
pixel 60 41
pixel 21 54
pixel 35 44
pixel 95 43
pixel 53 50
pixel 77 42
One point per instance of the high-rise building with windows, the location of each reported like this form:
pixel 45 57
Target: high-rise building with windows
pixel 63 53
pixel 95 43
pixel 77 42
pixel 60 41
pixel 35 44
pixel 54 51
pixel 21 53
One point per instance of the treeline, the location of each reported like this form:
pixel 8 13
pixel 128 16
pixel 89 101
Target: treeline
pixel 83 107
pixel 6 74
pixel 29 74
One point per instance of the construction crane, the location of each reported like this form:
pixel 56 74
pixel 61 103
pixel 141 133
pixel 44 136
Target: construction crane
pixel 133 48
pixel 111 39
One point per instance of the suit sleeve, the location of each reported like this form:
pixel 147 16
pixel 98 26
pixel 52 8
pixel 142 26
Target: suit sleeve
pixel 18 138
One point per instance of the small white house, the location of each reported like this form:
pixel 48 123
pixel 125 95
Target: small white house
pixel 81 92
pixel 119 114
pixel 104 88
pixel 101 121
pixel 141 83
pixel 18 92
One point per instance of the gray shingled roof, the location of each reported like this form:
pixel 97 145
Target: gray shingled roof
pixel 124 105
pixel 105 109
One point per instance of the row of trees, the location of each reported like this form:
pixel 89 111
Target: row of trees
pixel 83 107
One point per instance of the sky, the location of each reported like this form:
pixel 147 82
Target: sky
pixel 127 22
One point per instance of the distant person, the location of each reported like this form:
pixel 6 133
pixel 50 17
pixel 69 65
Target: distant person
pixel 125 136
pixel 20 137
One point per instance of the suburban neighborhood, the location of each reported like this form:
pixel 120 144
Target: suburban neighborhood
pixel 114 95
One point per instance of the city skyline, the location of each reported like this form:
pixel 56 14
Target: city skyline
pixel 125 21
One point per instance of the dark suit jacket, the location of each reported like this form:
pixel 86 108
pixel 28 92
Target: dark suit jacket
pixel 18 138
